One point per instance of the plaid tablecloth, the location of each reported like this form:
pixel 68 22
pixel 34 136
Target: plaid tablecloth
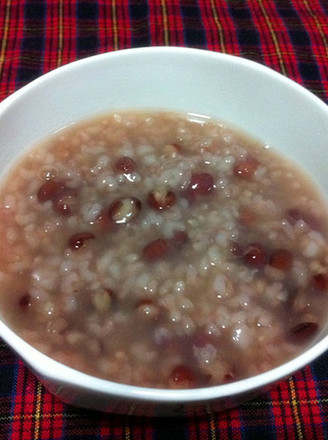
pixel 290 36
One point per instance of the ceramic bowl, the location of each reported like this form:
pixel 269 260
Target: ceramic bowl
pixel 256 99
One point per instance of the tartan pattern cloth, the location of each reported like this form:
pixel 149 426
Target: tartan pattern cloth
pixel 290 36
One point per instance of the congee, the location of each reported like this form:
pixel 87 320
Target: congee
pixel 162 250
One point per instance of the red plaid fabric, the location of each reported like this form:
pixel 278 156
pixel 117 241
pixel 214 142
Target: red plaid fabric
pixel 290 36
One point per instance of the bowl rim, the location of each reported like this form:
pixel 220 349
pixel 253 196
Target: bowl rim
pixel 50 369
pixel 64 374
pixel 155 50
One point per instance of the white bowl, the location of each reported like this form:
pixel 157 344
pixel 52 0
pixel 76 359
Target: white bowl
pixel 250 96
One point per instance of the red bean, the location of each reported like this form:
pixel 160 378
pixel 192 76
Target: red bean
pixel 247 217
pixel 246 168
pixel 254 255
pixel 50 190
pixel 229 377
pixel 124 209
pixel 161 198
pixel 125 165
pixel 201 184
pixel 156 250
pixel 147 308
pixel 78 240
pixel 303 331
pixel 65 202
pixel 179 238
pixel 281 259
pixel 103 222
pixel 319 282
pixel 181 375
pixel 25 301
pixel 145 302
pixel 62 197
pixel 294 215
pixel 161 247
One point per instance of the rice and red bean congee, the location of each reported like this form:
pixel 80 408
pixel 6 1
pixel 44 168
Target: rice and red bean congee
pixel 162 250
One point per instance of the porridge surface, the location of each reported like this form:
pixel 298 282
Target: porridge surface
pixel 163 250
